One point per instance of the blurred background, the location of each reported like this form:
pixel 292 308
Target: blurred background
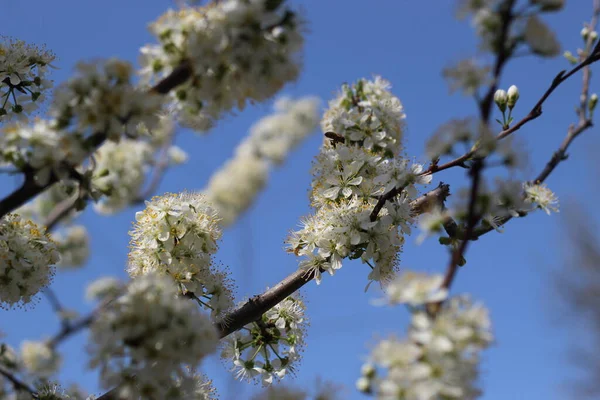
pixel 540 278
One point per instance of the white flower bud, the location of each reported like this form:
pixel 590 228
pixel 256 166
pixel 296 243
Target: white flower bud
pixel 570 57
pixel 585 32
pixel 367 370
pixel 513 96
pixel 39 358
pixel 177 155
pixel 593 102
pixel 593 35
pixel 501 98
pixel 363 384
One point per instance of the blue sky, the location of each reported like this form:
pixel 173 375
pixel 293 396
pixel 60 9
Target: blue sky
pixel 408 43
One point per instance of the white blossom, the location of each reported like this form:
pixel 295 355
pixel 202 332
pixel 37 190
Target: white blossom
pixel 150 332
pixel 102 288
pixel 359 162
pixel 176 235
pixel 416 289
pixel 27 259
pixel 438 360
pixel 541 196
pixel 39 358
pixel 239 51
pixel 101 98
pixel 120 173
pixel 234 187
pixel 23 78
pixel 40 146
pixel 270 348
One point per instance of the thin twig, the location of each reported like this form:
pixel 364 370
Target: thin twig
pixel 17 383
pixel 157 173
pixel 534 113
pixel 485 108
pixel 584 123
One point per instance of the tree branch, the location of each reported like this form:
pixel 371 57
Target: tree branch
pixel 254 308
pixel 17 383
pixel 29 189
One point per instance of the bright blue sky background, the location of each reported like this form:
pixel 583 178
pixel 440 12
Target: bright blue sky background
pixel 408 43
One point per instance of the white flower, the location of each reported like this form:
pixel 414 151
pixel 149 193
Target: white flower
pixel 270 348
pixel 120 173
pixel 23 83
pixel 234 187
pixel 369 114
pixel 541 196
pixel 176 235
pixel 101 98
pixel 39 358
pixel 416 289
pixel 27 259
pixel 102 288
pixel 40 146
pixel 149 332
pixel 239 51
pixel 438 360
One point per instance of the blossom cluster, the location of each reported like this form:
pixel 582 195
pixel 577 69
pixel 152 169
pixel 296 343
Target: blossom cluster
pixel 39 358
pixel 176 235
pixel 439 358
pixel 23 78
pixel 100 99
pixel 27 260
pixel 359 162
pixel 121 169
pixel 232 189
pixel 152 333
pixel 238 50
pixel 270 347
pixel 72 241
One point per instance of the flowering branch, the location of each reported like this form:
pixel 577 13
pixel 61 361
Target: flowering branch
pixel 29 189
pixel 254 308
pixel 258 305
pixel 584 123
pixel 534 113
pixel 485 107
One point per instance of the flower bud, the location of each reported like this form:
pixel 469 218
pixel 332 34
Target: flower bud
pixel 513 96
pixel 363 384
pixel 501 98
pixel 585 32
pixel 593 102
pixel 593 35
pixel 570 57
pixel 367 370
